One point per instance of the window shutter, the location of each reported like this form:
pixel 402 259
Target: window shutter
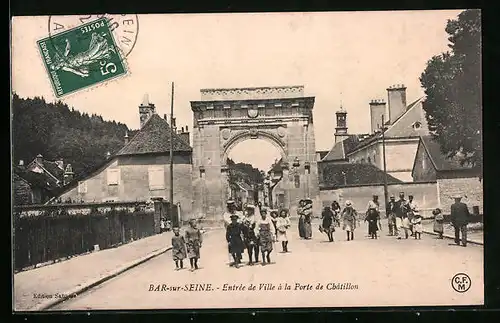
pixel 82 187
pixel 113 176
pixel 156 177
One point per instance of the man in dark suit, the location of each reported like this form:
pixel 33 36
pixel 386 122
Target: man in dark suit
pixel 391 216
pixel 459 219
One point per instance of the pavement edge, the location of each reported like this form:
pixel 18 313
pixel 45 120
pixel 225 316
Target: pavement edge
pixel 453 238
pixel 92 283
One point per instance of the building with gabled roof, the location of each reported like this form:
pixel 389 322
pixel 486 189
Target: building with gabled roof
pixel 403 124
pixel 39 180
pixel 451 176
pixel 141 169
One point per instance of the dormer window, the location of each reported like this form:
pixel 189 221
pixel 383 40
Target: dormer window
pixel 417 125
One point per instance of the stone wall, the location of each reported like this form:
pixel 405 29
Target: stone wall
pixel 425 195
pixel 470 187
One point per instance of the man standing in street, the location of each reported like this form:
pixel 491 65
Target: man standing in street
pixel 459 219
pixel 400 210
pixel 391 216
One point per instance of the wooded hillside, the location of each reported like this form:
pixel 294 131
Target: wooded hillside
pixel 57 131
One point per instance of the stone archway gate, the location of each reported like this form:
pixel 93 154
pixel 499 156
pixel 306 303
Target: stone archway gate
pixel 225 117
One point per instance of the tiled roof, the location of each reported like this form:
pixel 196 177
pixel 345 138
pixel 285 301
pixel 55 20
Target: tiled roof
pixel 342 148
pixel 336 153
pixel 40 180
pixel 154 137
pixel 50 172
pixel 439 159
pixel 52 167
pixel 355 174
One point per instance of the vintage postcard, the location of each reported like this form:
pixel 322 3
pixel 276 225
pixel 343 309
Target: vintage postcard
pixel 237 160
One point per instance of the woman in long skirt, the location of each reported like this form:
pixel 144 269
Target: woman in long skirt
pixel 438 222
pixel 282 225
pixel 265 233
pixel 327 225
pixel 307 210
pixel 193 244
pixel 301 219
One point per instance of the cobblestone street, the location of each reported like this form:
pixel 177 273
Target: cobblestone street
pixel 383 272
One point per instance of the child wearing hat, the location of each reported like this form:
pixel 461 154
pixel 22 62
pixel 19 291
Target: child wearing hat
pixel 282 225
pixel 234 238
pixel 417 225
pixel 349 218
pixel 230 210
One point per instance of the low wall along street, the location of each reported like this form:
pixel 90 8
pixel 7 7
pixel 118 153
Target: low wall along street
pixel 425 195
pixel 44 233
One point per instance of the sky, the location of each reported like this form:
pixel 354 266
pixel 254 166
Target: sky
pixel 340 57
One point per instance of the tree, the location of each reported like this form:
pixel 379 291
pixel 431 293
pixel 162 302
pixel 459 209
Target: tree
pixel 452 84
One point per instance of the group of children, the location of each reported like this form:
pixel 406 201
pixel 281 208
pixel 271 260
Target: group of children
pixel 188 246
pixel 407 218
pixel 254 232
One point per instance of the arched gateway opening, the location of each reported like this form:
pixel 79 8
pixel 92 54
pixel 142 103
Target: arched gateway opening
pixel 223 118
pixel 254 173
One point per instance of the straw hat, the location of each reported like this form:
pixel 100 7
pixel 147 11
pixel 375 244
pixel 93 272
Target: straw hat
pixel 348 203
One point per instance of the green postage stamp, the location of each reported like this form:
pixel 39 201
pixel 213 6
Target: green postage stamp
pixel 81 57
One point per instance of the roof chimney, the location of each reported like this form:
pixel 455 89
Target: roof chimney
pixel 397 101
pixel 126 137
pixel 165 116
pixel 39 159
pixel 146 110
pixel 21 162
pixel 68 174
pixel 108 154
pixel 377 110
pixel 185 135
pixel 145 100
